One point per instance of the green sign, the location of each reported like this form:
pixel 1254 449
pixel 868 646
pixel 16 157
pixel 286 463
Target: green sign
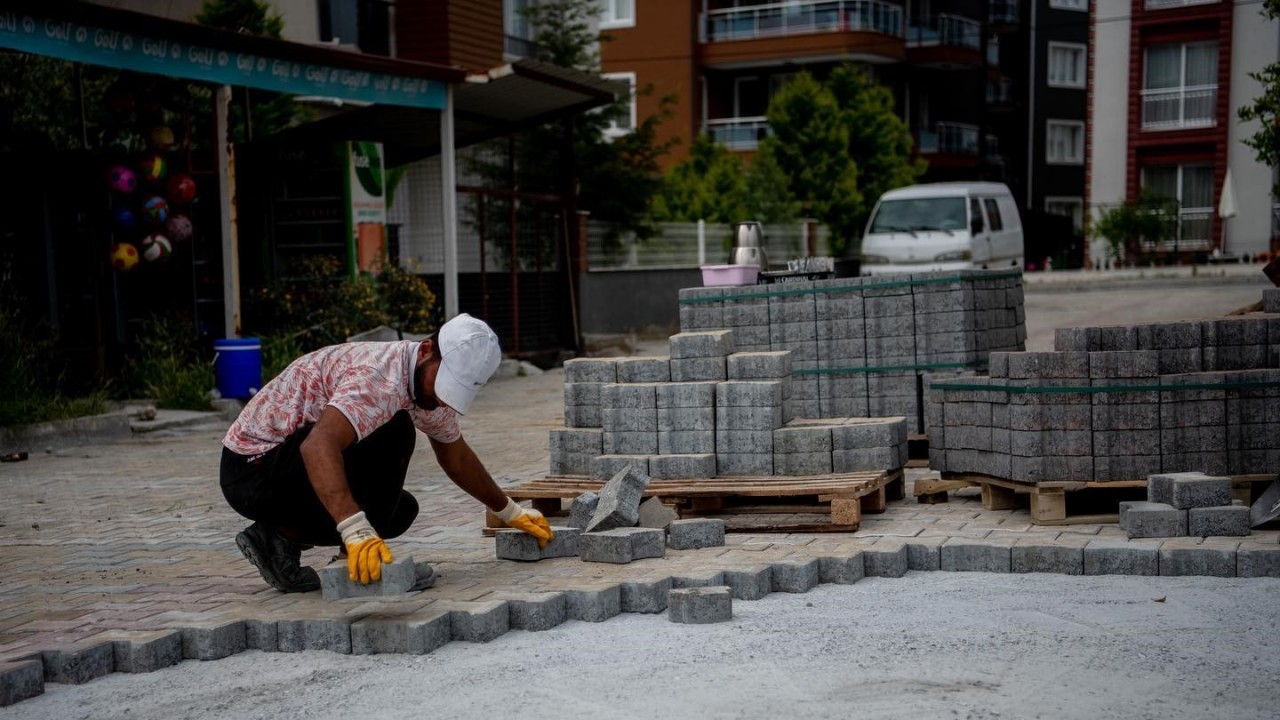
pixel 366 206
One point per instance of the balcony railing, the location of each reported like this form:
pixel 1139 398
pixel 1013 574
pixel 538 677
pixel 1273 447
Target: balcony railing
pixel 741 133
pixel 1194 232
pixel 1179 108
pixel 949 30
pixel 1002 12
pixel 520 47
pixel 1165 4
pixel 950 137
pixel 802 18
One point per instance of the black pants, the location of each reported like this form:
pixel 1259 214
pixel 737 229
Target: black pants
pixel 274 489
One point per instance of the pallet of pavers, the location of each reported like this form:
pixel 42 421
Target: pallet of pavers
pixel 1108 408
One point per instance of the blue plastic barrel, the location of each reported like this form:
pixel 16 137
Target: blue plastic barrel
pixel 238 366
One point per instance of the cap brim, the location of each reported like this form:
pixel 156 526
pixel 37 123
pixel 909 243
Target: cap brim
pixel 453 393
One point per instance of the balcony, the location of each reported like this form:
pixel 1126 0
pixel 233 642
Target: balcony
pixel 857 30
pixel 740 133
pixel 949 138
pixel 1167 4
pixel 1180 108
pixel 945 42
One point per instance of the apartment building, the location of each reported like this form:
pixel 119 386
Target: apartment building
pixel 1166 80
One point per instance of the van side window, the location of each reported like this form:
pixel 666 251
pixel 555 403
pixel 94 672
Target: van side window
pixel 975 216
pixel 993 214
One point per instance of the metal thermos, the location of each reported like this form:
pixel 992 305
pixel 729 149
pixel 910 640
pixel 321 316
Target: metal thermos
pixel 748 245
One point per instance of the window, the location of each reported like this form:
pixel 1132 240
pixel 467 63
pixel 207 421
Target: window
pixel 1180 86
pixel 1191 186
pixel 975 216
pixel 1081 5
pixel 993 214
pixel 364 24
pixel 618 14
pixel 625 121
pixel 1064 142
pixel 1066 65
pixel 519 31
pixel 1072 207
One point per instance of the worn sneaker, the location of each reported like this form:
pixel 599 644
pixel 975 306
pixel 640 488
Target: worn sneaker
pixel 278 559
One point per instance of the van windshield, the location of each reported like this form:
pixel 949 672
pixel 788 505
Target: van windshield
pixel 943 214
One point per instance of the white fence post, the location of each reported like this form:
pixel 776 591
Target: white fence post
pixel 702 243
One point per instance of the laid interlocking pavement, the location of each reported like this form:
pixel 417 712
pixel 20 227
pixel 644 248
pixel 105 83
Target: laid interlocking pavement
pixel 135 535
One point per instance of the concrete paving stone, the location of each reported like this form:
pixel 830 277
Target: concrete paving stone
pixel 701 344
pixel 698 369
pixel 213 641
pixel 698 578
pixel 518 545
pixel 689 418
pixel 628 420
pixel 1122 557
pixel 795 575
pixel 606 547
pixel 1271 300
pixel 1183 556
pixel 686 442
pixel 802 463
pixel 631 443
pixel 733 419
pixel 635 396
pixel 79 663
pixel 1223 521
pixel 974 555
pixel 1048 365
pixel 1064 555
pixel 729 464
pixel 749 583
pixel 645 596
pixel 759 365
pixel 1188 491
pixel 260 635
pixel 593 604
pixel 583 507
pixel 682 466
pixel 882 458
pixel 749 393
pixel 604 467
pixel 1122 364
pixel 477 621
pixel 888 557
pixel 644 369
pixel 20 680
pixel 655 514
pixel 591 370
pixel 802 409
pixel 1152 520
pixel 646 542
pixel 297 635
pixel 845 569
pixel 577 440
pixel 1258 560
pixel 685 395
pixel 620 498
pixel 582 416
pixel 563 463
pixel 415 633
pixel 862 433
pixel 730 442
pixel 694 606
pixel 397 578
pixel 924 553
pixel 145 651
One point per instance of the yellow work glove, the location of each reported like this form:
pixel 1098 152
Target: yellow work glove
pixel 530 521
pixel 366 552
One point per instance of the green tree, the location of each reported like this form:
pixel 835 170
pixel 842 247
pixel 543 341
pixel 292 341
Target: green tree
pixel 810 146
pixel 258 113
pixel 1266 107
pixel 710 185
pixel 1152 218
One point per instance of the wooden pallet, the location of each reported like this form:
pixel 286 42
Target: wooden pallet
pixel 1091 502
pixel 813 503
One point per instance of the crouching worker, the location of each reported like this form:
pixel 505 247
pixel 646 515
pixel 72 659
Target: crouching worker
pixel 318 457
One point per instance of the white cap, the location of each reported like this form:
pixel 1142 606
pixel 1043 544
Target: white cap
pixel 469 355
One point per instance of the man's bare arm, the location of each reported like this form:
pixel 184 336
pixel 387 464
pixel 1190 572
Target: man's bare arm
pixel 464 468
pixel 322 456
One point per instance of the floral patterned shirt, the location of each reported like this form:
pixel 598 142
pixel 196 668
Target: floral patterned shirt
pixel 368 382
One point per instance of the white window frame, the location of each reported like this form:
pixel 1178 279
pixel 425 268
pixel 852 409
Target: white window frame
pixel 1049 125
pixel 612 18
pixel 1082 61
pixel 1077 5
pixel 614 130
pixel 1076 201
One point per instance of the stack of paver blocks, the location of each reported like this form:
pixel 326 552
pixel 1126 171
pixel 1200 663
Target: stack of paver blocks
pixel 1118 403
pixel 1188 503
pixel 747 414
pixel 891 343
pixel 793 327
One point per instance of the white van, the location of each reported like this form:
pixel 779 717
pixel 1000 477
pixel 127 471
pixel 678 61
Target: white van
pixel 943 226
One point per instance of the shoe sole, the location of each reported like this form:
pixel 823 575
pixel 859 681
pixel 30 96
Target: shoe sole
pixel 251 553
pixel 422 583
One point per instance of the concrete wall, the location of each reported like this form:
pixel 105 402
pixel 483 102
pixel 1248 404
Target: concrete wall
pixel 1256 43
pixel 1108 126
pixel 642 301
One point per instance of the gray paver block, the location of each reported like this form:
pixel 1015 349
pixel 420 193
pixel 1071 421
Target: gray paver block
pixel 695 533
pixel 593 604
pixel 261 635
pixel 213 642
pixel 536 612
pixel 886 560
pixel 924 553
pixel 413 634
pixel 1258 560
pixel 1122 557
pixel 755 365
pixel 1152 520
pixel 1189 491
pixel 977 555
pixel 1180 557
pixel 1226 521
pixel 654 514
pixel 480 621
pixel 20 681
pixel 704 369
pixel 512 544
pixel 644 369
pixel 1064 556
pixel 619 501
pixel 707 343
pixel 841 569
pixel 750 583
pixel 706 578
pixel 700 605
pixel 148 651
pixel 80 665
pixel 683 466
pixel 594 370
pixel 605 467
pixel 685 395
pixel 397 578
pixel 583 507
pixel 332 634
pixel 795 576
pixel 622 545
pixel 645 596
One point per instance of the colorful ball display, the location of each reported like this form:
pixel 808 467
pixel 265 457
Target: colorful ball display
pixel 161 138
pixel 153 168
pixel 178 228
pixel 124 256
pixel 156 209
pixel 122 180
pixel 181 189
pixel 123 218
pixel 156 247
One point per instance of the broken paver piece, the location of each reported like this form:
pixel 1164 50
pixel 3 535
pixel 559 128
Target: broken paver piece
pixel 619 501
pixel 694 606
pixel 584 506
pixel 519 545
pixel 397 578
pixel 654 514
